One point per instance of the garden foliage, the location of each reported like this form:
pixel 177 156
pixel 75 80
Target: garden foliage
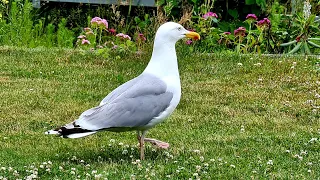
pixel 255 26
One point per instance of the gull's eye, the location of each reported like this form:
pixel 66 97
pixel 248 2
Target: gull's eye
pixel 179 28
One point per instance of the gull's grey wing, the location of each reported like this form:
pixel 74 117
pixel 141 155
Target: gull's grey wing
pixel 150 83
pixel 130 106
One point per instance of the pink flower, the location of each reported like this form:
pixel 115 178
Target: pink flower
pixel 112 31
pixel 103 24
pixel 81 37
pixel 252 17
pixel 115 47
pixel 189 41
pixel 87 29
pixel 124 36
pixel 98 22
pixel 227 33
pixel 141 37
pixel 84 41
pixel 264 22
pixel 241 31
pixel 210 14
pixel 94 21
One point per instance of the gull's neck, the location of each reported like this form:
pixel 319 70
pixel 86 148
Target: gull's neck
pixel 163 61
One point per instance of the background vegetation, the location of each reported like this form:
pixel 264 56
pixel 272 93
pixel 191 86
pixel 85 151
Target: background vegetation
pixel 59 24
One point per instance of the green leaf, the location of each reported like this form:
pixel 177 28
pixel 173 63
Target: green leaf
pixel 234 13
pixel 250 2
pixel 296 48
pixel 318 39
pixel 288 43
pixel 306 48
pixel 313 44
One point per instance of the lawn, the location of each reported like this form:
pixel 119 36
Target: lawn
pixel 240 117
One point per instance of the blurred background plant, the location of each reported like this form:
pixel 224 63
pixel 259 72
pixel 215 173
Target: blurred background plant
pixel 305 27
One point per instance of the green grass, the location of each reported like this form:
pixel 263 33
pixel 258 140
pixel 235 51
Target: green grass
pixel 234 121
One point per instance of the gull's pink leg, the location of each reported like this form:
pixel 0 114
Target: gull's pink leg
pixel 141 140
pixel 159 144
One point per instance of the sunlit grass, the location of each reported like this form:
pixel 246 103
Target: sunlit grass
pixel 240 117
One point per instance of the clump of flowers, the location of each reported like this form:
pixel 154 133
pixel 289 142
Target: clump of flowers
pixel 265 22
pixel 141 38
pixel 112 31
pixel 124 36
pixel 84 41
pixel 98 22
pixel 241 31
pixel 251 17
pixel 210 14
pixel 225 38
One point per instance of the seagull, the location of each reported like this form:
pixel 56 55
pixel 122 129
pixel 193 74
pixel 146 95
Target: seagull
pixel 143 102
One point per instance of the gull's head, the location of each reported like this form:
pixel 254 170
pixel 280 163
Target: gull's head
pixel 173 32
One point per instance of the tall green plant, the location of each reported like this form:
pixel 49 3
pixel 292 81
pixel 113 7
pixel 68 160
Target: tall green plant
pixel 65 37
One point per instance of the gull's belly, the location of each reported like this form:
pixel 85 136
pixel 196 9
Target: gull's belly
pixel 173 85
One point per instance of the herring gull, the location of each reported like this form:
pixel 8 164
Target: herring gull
pixel 142 102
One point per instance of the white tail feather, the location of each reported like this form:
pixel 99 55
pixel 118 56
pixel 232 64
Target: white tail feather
pixel 79 135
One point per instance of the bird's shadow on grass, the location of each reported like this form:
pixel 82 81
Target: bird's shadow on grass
pixel 110 155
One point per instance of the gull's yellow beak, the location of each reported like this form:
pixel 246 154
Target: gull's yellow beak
pixel 193 35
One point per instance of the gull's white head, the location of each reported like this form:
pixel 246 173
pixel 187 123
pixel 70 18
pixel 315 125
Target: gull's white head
pixel 172 32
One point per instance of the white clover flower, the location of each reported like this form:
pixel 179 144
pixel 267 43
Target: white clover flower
pixel 125 151
pixel 309 171
pixel 313 140
pixel 240 64
pixel 94 172
pixel 233 166
pixel 196 151
pixel 97 176
pixel 303 153
pixel 72 172
pixel 287 151
pixel 270 162
pixel 73 169
pixel 198 168
pixel 201 158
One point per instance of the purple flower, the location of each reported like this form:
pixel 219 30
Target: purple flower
pixel 84 41
pixel 210 14
pixel 264 22
pixel 189 41
pixel 252 17
pixel 141 37
pixel 241 31
pixel 227 33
